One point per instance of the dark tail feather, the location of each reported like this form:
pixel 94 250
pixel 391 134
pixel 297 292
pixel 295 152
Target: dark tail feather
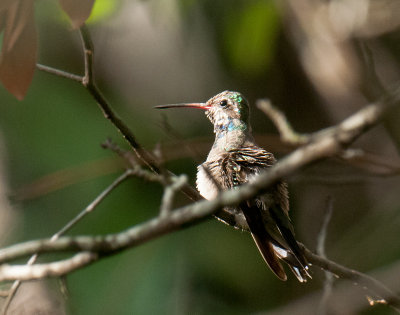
pixel 263 240
pixel 298 270
pixel 283 226
pixel 266 249
pixel 270 249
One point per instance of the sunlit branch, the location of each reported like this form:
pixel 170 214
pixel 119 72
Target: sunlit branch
pixel 53 269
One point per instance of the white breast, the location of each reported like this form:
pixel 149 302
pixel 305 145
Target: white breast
pixel 205 185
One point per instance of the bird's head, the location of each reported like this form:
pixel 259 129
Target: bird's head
pixel 227 110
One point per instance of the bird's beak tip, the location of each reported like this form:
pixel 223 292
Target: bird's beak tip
pixel 203 106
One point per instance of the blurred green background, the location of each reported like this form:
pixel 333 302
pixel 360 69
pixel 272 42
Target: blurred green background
pixel 159 52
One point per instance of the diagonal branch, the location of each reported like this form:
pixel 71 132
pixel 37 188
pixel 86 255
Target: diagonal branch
pixel 60 73
pixel 88 81
pixel 369 283
pixel 287 133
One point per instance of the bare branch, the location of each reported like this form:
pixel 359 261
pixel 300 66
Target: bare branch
pixel 346 297
pixel 365 281
pixel 127 156
pixel 39 271
pixel 14 288
pixel 135 168
pixel 169 193
pixel 88 81
pixel 324 228
pixel 288 134
pixel 60 73
pixel 328 283
pixel 93 204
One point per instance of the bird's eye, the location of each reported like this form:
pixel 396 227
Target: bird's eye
pixel 223 103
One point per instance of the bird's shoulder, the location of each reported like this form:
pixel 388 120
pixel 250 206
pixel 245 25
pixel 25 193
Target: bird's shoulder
pixel 236 166
pixel 252 155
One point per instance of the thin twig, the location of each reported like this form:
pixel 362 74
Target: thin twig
pixel 346 297
pixel 371 84
pixel 127 156
pixel 287 133
pixel 60 73
pixel 135 168
pixel 328 283
pixel 93 204
pixel 14 288
pixel 372 87
pixel 367 282
pixel 88 81
pixel 169 193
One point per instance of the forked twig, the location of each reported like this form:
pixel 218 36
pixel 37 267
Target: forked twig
pixel 14 288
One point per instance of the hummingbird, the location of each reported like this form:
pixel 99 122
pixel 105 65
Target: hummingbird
pixel 235 159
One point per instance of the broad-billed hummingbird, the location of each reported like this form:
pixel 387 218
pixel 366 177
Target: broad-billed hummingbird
pixel 235 159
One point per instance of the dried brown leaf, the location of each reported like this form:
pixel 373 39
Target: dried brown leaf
pixel 19 49
pixel 77 10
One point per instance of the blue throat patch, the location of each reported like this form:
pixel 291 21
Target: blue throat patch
pixel 231 126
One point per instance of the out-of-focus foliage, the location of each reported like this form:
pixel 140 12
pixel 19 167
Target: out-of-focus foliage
pixel 250 36
pixel 102 9
pixel 157 52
